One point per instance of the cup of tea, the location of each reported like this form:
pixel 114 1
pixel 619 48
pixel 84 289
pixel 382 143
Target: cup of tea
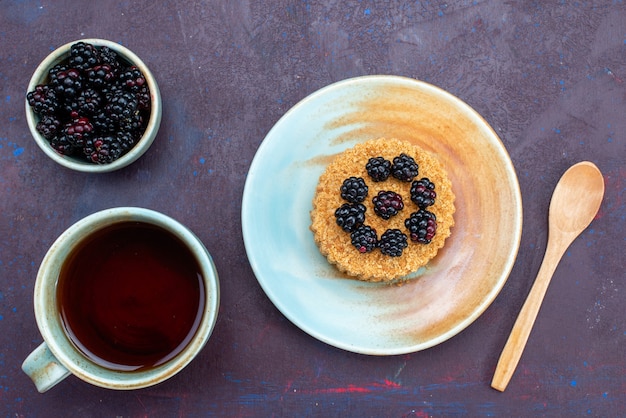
pixel 124 299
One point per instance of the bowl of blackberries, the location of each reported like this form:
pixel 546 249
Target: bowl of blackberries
pixel 93 106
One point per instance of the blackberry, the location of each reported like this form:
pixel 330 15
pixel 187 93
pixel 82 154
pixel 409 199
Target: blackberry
pixel 61 145
pixel 67 83
pixel 103 123
pixel 423 193
pixel 422 226
pixel 350 216
pixel 126 140
pixel 132 124
pixel 387 204
pixel 49 126
pixel 364 239
pixel 378 168
pixel 83 56
pixel 54 71
pixel 69 109
pixel 43 99
pixel 100 76
pixel 89 102
pixel 78 131
pixel 132 79
pixel 143 98
pixel 122 105
pixel 354 190
pixel 109 57
pixel 109 90
pixel 392 242
pixel 90 149
pixel 404 168
pixel 102 149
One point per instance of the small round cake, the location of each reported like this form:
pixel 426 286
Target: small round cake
pixel 382 210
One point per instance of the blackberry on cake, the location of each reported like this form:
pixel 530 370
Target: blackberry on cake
pixel 393 242
pixel 350 216
pixel 404 167
pixel 423 193
pixel 354 190
pixel 387 204
pixel 422 226
pixel 378 168
pixel 364 239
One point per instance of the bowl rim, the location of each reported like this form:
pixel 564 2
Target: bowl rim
pixel 146 140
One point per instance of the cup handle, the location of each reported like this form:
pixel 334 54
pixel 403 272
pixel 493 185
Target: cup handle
pixel 43 368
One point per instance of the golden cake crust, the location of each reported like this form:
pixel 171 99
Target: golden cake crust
pixel 335 244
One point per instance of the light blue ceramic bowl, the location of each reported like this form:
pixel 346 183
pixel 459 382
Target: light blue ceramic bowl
pixel 40 76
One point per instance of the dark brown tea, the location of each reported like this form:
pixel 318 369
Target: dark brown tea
pixel 131 296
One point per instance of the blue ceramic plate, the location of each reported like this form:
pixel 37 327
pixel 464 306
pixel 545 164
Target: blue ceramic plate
pixel 453 289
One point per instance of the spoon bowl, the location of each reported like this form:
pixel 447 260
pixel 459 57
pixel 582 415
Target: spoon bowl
pixel 574 204
pixel 576 198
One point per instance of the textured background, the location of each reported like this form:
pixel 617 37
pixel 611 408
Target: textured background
pixel 549 78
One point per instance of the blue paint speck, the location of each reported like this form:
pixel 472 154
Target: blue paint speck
pixel 202 160
pixel 367 12
pixel 8 99
pixel 17 152
pixel 573 383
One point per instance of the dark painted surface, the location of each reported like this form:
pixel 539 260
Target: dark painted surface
pixel 549 78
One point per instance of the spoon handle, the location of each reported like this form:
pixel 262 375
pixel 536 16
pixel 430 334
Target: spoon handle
pixel 523 325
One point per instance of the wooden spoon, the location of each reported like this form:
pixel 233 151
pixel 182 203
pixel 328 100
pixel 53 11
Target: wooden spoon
pixel 574 204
